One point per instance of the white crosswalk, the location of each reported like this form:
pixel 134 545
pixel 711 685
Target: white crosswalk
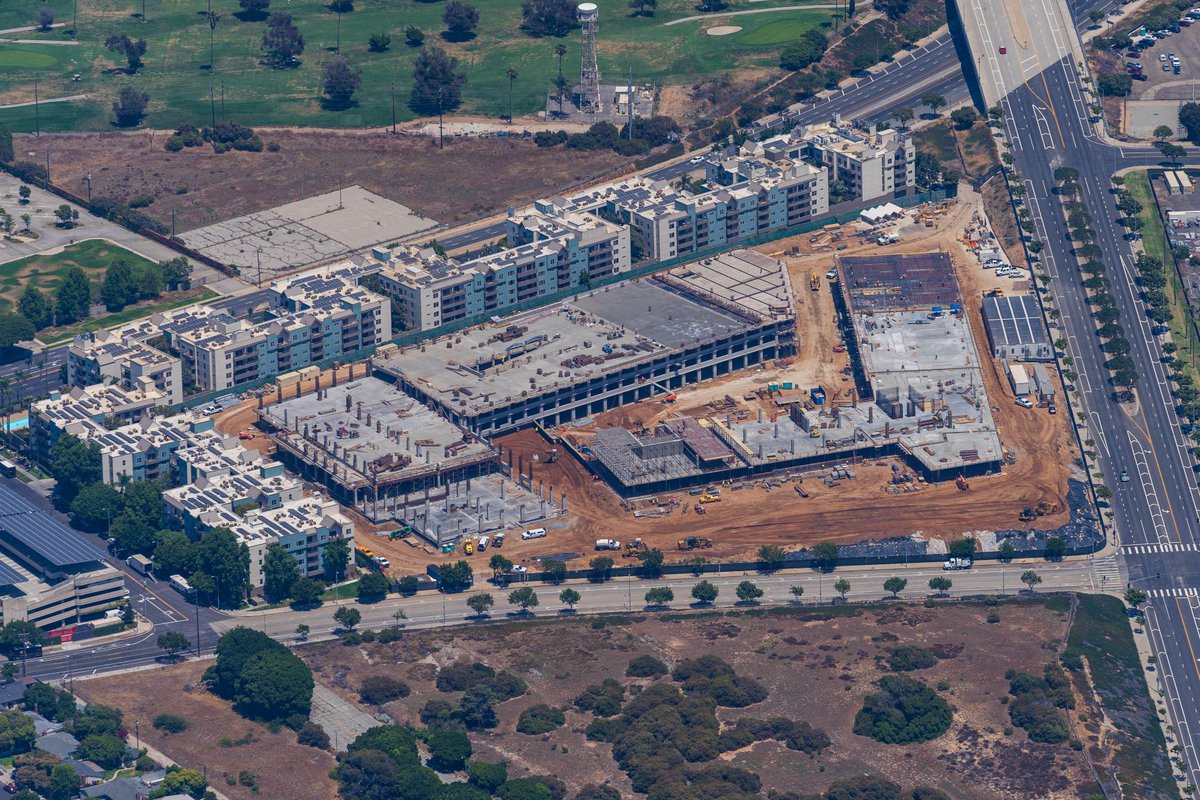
pixel 1143 549
pixel 1187 592
pixel 1106 572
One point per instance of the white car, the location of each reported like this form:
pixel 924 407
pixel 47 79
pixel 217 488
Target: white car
pixel 1024 402
pixel 518 569
pixel 1162 56
pixel 695 159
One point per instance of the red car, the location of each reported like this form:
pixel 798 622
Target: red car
pixel 1003 51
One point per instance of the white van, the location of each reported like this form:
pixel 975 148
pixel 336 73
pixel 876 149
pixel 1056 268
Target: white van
pixel 484 541
pixel 534 533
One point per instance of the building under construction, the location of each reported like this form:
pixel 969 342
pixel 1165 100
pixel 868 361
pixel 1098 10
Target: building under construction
pixel 919 397
pixel 606 349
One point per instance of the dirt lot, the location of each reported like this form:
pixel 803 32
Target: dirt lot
pixel 284 768
pixel 471 178
pixel 805 658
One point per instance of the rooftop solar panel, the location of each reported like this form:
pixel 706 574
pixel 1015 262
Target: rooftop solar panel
pixel 52 541
pixel 9 576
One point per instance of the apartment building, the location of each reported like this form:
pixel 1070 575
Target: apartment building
pixel 548 252
pixel 87 411
pixel 313 317
pixel 111 357
pixel 869 164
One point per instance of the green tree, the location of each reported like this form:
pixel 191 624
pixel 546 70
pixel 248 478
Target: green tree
pixel 460 19
pixel 488 777
pixel 825 556
pixel 1163 132
pixel 895 585
pixel 307 593
pixel 770 558
pixel 499 564
pixel 525 597
pixel 600 569
pixel 180 781
pixel 1173 152
pixel 414 36
pixel 480 603
pixel 940 585
pixel 748 592
pixel 175 554
pixel 651 563
pixel 340 81
pixel 449 748
pixel 1006 551
pixel 35 307
pixel 842 587
pixel 964 548
pixel 963 118
pixel 797 593
pixel 903 115
pixel 253 9
pixel 105 749
pixel 176 273
pixel 554 571
pixel 282 42
pixel 227 563
pixel 274 685
pixel 933 101
pixel 1134 597
pixel 373 587
pixel 348 617
pixel 17 733
pixel 335 557
pixel 64 782
pixel 6 144
pixel 1031 579
pixel 455 577
pixel 379 42
pixel 72 297
pixel 130 106
pixel 548 17
pixel 9 671
pixel 131 49
pixel 280 573
pixel 14 328
pixel 173 642
pixel 659 596
pixel 437 82
pixel 1056 548
pixel 95 506
pixel 705 592
pixel 1189 118
pixel 569 597
pixel 118 288
pixel 73 465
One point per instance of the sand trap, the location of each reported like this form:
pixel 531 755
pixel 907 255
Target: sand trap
pixel 723 30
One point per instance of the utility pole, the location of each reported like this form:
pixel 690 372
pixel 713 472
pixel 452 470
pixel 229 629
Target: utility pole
pixel 393 108
pixel 441 133
pixel 212 104
pixel 630 87
pixel 258 261
pixel 37 119
pixel 74 25
pixel 222 98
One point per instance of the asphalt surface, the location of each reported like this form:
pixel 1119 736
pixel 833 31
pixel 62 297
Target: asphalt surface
pixel 1157 511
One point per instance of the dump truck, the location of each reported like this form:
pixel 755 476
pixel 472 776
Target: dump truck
pixel 608 544
pixel 814 281
pixel 694 543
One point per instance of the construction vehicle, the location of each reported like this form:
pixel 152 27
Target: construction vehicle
pixel 709 498
pixel 694 543
pixel 701 510
pixel 957 563
pixel 997 292
pixel 608 544
pixel 1030 513
pixel 468 547
pixel 244 435
pixel 552 456
pixel 633 548
pixel 961 483
pixel 814 281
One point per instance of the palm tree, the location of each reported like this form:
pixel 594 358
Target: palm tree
pixel 560 50
pixel 512 78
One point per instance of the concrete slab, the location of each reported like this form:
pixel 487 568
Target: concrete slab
pixel 1143 116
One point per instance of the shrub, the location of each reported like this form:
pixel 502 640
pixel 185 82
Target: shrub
pixel 449 748
pixel 603 700
pixel 540 718
pixel 313 735
pixel 488 777
pixel 170 723
pixel 462 675
pixel 379 689
pixel 904 711
pixel 646 666
pixel 907 658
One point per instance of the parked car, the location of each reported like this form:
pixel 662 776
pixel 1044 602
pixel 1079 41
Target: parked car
pixel 1024 402
pixel 534 533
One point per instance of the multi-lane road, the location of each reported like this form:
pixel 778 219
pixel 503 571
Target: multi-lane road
pixel 1157 512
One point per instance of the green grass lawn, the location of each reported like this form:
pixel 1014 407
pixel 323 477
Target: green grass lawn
pixel 93 256
pixel 1154 240
pixel 55 335
pixel 178 80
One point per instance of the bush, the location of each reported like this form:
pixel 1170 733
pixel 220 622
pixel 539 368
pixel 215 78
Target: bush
pixel 540 718
pixel 313 735
pixel 379 689
pixel 713 676
pixel 646 666
pixel 462 675
pixel 904 711
pixel 907 658
pixel 603 700
pixel 488 777
pixel 170 723
pixel 449 748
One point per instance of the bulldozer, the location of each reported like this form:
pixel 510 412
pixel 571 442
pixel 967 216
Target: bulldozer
pixel 694 543
pixel 1030 513
pixel 633 548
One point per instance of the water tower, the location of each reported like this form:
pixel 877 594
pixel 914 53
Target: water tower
pixel 589 71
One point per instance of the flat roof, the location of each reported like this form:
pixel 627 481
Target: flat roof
pixel 1014 321
pixel 47 538
pixel 889 282
pixel 653 310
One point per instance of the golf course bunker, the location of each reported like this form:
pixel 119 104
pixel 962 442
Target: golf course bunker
pixel 723 30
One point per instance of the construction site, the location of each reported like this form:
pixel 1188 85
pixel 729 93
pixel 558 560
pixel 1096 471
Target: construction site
pixel 610 348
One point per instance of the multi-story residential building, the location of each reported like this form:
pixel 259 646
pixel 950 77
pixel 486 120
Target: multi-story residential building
pixel 868 165
pixel 87 411
pixel 548 253
pixel 110 357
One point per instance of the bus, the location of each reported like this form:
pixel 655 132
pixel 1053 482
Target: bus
pixel 180 584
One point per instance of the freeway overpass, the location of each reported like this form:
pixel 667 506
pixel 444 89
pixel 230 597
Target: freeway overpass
pixel 1157 514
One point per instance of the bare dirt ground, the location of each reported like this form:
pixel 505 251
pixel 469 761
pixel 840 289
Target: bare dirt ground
pixel 283 767
pixel 470 178
pixel 851 512
pixel 817 665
